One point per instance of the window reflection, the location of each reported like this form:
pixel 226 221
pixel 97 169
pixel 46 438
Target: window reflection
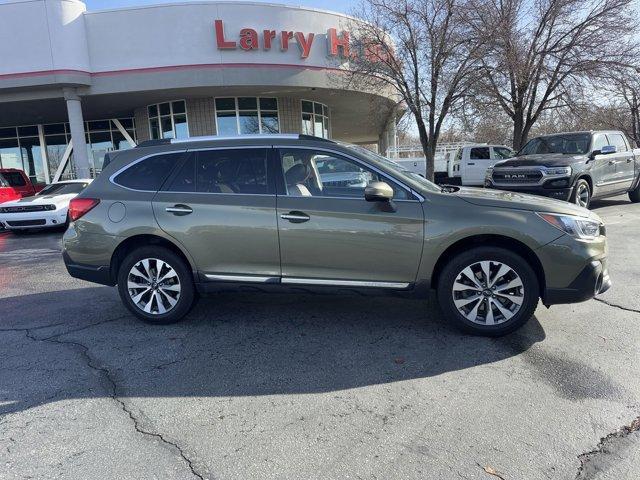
pixel 168 120
pixel 247 115
pixel 315 119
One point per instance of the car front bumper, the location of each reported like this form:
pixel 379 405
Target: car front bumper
pixel 43 219
pixel 591 281
pixel 575 270
pixel 556 193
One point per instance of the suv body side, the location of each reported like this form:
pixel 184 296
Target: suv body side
pixel 426 230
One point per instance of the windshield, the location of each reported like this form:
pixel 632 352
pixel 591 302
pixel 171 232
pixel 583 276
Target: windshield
pixel 63 188
pixel 393 166
pixel 568 144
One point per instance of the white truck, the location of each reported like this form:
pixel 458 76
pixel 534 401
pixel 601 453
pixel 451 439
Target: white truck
pixel 470 163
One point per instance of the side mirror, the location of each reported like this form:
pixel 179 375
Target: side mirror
pixel 378 192
pixel 608 149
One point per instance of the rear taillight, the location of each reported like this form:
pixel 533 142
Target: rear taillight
pixel 80 206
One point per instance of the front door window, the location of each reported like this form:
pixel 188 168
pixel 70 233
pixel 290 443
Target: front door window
pixel 311 173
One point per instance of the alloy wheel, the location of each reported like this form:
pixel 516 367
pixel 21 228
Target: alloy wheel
pixel 153 286
pixel 582 195
pixel 488 292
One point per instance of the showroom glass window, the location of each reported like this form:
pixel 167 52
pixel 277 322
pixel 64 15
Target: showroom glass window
pixel 246 115
pixel 315 119
pixel 168 120
pixel 20 148
pixel 102 136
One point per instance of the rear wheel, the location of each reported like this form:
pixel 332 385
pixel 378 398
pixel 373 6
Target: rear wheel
pixel 488 291
pixel 156 285
pixel 582 193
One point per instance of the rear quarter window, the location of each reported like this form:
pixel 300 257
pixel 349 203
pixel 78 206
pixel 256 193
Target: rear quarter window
pixel 148 174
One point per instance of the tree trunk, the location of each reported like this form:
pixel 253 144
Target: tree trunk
pixel 426 150
pixel 518 131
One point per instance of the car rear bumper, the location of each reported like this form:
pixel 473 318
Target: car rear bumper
pixel 591 281
pixel 90 273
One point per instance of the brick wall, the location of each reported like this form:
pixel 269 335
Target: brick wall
pixel 141 116
pixel 290 112
pixel 201 116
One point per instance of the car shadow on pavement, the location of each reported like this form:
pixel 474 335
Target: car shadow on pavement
pixel 233 344
pixel 609 202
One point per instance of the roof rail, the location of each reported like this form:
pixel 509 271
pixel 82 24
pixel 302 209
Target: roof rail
pixel 153 143
pixel 263 136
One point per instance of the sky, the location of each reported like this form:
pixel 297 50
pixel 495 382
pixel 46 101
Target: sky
pixel 344 6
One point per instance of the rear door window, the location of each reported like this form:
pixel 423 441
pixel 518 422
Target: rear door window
pixel 233 171
pixel 480 153
pixel 148 174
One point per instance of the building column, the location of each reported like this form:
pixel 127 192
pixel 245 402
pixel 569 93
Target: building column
pixel 392 134
pixel 78 136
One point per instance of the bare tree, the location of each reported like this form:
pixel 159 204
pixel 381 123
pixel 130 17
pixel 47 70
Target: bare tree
pixel 424 50
pixel 546 52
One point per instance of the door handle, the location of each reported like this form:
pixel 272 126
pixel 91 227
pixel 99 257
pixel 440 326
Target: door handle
pixel 470 163
pixel 612 162
pixel 629 160
pixel 179 210
pixel 295 217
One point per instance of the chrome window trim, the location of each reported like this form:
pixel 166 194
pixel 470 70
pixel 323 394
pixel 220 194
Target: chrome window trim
pixel 361 162
pixel 419 196
pixel 188 150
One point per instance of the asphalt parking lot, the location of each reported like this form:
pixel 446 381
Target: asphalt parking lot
pixel 254 386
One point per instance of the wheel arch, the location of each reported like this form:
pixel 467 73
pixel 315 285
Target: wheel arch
pixel 587 177
pixel 144 240
pixel 490 240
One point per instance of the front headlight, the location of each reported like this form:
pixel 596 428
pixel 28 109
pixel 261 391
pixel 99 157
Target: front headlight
pixel 558 170
pixel 579 227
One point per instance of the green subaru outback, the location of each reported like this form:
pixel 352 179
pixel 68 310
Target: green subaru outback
pixel 170 219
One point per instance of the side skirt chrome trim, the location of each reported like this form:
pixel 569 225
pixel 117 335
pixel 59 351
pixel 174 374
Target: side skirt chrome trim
pixel 241 278
pixel 343 283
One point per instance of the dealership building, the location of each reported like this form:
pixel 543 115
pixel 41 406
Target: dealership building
pixel 76 84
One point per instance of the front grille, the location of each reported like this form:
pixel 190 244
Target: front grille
pixel 516 176
pixel 26 223
pixel 27 208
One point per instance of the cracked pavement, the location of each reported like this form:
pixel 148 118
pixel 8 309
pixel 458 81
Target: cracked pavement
pixel 298 386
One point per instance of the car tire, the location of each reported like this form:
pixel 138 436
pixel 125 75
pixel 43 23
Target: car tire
pixel 634 195
pixel 506 303
pixel 156 285
pixel 581 195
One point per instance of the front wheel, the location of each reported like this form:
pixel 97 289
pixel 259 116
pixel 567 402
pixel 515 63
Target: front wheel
pixel 156 285
pixel 488 291
pixel 582 193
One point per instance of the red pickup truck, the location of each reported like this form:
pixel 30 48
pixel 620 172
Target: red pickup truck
pixel 15 184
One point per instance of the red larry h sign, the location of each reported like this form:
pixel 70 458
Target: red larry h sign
pixel 250 39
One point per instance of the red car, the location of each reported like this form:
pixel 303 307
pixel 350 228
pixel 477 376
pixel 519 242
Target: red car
pixel 15 184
